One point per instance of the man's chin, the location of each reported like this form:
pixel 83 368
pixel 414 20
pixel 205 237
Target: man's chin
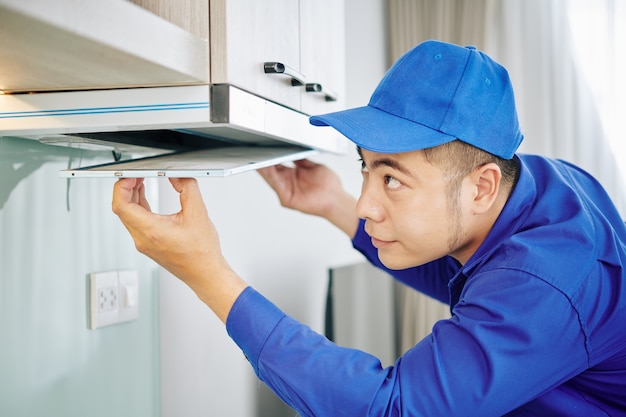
pixel 394 263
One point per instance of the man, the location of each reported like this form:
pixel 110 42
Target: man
pixel 529 252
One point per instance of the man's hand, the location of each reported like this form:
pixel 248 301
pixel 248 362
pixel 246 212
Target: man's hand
pixel 185 243
pixel 313 189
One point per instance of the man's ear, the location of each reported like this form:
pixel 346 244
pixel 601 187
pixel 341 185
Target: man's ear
pixel 486 182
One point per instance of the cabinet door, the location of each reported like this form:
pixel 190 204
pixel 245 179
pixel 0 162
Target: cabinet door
pixel 322 53
pixel 246 33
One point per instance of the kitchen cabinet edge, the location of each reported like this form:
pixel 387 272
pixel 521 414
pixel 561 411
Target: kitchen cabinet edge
pixel 78 45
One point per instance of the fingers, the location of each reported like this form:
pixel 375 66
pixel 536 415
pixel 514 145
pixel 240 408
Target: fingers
pixel 266 172
pixel 130 203
pixel 305 163
pixel 125 191
pixel 271 175
pixel 129 197
pixel 141 197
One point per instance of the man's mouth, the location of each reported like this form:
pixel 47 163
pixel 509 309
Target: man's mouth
pixel 381 244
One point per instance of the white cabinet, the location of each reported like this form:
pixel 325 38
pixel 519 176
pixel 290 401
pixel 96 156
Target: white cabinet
pixel 304 36
pixel 245 34
pixel 322 54
pixel 83 45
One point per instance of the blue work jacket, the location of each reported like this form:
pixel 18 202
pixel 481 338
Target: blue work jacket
pixel 537 326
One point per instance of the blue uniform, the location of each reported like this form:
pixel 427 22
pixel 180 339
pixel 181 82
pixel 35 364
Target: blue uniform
pixel 537 327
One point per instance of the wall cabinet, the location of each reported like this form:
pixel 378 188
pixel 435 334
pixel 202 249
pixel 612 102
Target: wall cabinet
pixel 323 54
pixel 80 45
pixel 244 35
pixel 198 66
pixel 304 36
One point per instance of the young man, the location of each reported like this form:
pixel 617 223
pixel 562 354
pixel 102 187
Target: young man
pixel 529 253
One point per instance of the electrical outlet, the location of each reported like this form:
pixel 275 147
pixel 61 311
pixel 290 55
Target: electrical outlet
pixel 107 299
pixel 114 297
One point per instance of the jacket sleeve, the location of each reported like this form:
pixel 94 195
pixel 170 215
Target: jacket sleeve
pixel 430 279
pixel 490 357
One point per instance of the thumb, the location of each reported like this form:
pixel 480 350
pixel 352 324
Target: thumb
pixel 190 195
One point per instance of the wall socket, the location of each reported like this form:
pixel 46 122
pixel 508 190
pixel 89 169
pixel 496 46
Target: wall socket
pixel 114 297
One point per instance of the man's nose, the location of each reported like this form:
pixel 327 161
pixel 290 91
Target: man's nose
pixel 368 206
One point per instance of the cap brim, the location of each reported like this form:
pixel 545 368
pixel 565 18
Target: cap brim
pixel 378 131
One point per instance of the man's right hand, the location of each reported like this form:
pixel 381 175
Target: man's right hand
pixel 185 243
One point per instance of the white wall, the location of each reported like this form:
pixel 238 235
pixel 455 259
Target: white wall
pixel 53 233
pixel 283 254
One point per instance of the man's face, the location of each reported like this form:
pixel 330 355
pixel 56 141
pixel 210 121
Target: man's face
pixel 410 213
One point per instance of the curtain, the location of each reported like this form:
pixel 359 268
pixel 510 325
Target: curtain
pixel 565 58
pixel 565 110
pixel 463 22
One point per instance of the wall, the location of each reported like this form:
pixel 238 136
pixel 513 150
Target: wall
pixel 283 254
pixel 51 364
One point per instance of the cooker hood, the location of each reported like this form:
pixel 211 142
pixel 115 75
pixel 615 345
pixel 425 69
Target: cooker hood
pixel 172 121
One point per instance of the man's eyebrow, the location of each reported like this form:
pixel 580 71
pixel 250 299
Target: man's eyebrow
pixel 393 164
pixel 386 162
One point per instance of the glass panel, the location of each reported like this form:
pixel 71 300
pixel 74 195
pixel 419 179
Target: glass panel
pixel 53 233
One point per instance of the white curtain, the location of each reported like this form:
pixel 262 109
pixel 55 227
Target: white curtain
pixel 598 32
pixel 562 56
pixel 565 58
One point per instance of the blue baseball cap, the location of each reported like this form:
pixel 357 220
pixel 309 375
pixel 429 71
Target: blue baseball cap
pixel 435 93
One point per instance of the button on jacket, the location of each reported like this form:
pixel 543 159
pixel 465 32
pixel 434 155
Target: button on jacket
pixel 537 326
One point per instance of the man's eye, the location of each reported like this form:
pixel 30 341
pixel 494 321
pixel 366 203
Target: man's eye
pixel 391 182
